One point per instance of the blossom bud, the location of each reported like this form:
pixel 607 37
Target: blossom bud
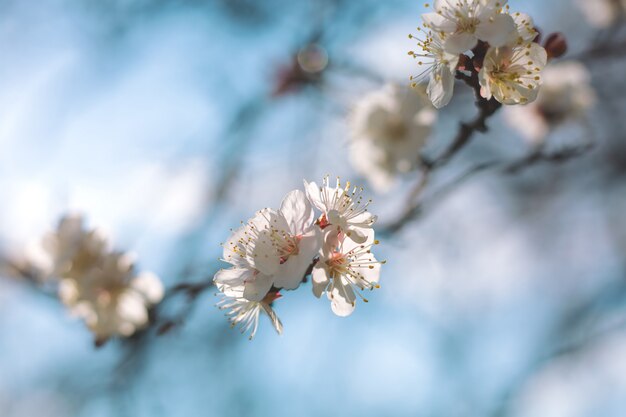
pixel 556 45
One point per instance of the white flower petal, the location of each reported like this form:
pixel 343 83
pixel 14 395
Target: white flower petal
pixel 457 43
pixel 342 300
pixel 298 212
pixel 497 31
pixel 257 289
pixel 320 280
pixel 441 87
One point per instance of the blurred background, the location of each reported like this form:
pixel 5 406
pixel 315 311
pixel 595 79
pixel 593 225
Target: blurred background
pixel 167 122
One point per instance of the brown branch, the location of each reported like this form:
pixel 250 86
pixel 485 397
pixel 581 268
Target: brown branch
pixel 510 167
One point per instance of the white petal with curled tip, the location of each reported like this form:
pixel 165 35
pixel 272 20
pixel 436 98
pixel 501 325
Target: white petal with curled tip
pixel 357 234
pixel 257 289
pixel 342 300
pixel 298 212
pixel 496 30
pixel 320 279
pixel 148 285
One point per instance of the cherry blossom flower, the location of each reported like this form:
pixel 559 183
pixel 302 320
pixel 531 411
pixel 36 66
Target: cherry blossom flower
pixel 566 95
pixel 511 74
pixel 462 23
pixel 110 297
pixel 246 313
pixel 389 129
pixel 341 207
pixel 439 66
pixel 344 269
pixel 253 264
pixel 274 248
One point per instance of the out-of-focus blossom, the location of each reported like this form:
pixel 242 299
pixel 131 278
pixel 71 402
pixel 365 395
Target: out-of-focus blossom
pixel 344 269
pixel 342 207
pixel 566 95
pixel 71 250
pixel 389 129
pixel 97 285
pixel 245 313
pixel 462 23
pixel 603 13
pixel 512 74
pixel 111 297
pixel 438 65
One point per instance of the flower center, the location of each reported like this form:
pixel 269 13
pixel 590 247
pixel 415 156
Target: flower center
pixel 396 129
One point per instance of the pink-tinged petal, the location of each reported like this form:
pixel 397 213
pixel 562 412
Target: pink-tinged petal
pixel 258 288
pixel 233 276
pixel 441 87
pixel 320 280
pixel 290 274
pixel 438 23
pixel 457 43
pixel 298 212
pixel 497 31
pixel 485 88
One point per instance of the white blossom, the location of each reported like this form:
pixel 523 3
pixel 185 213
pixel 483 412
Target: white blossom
pixel 566 95
pixel 438 65
pixel 462 23
pixel 110 297
pixel 389 129
pixel 245 313
pixel 253 264
pixel 341 207
pixel 603 13
pixel 275 248
pixel 511 74
pixel 71 250
pixel 344 269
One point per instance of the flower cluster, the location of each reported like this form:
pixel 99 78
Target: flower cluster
pixel 389 129
pixel 566 96
pixel 325 231
pixel 479 36
pixel 97 284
